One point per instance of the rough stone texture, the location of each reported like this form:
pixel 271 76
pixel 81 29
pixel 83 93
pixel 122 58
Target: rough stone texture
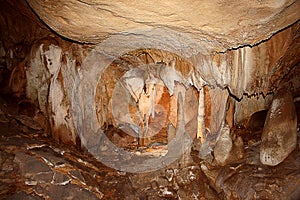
pixel 207 25
pixel 279 137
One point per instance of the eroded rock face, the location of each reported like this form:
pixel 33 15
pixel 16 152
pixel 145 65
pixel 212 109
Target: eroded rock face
pixel 279 136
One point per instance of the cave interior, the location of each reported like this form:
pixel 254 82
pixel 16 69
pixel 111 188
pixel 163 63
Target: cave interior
pixel 150 100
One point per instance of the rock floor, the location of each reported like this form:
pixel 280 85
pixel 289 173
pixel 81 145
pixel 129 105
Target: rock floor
pixel 35 167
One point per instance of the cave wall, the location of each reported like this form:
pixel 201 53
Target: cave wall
pixel 61 77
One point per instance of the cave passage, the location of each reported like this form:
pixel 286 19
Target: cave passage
pixel 139 108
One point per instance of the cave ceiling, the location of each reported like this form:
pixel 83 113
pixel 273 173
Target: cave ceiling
pixel 206 26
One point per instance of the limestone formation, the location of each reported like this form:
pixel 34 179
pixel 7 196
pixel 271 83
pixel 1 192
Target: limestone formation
pixel 279 137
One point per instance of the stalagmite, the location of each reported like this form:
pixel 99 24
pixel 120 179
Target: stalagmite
pixel 171 132
pixel 201 116
pixel 279 137
pixel 223 146
pixel 228 148
pixel 180 129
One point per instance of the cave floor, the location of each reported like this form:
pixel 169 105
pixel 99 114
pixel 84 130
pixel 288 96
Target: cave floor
pixel 35 167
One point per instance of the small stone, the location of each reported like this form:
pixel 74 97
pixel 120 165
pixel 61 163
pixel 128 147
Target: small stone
pixel 3 118
pixel 121 173
pixel 7 166
pixel 161 182
pixel 43 177
pixel 259 169
pixel 279 137
pixel 182 193
pixel 68 191
pixel 192 176
pixel 251 143
pixel 154 185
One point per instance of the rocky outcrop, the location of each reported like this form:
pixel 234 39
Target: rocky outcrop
pixel 279 137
